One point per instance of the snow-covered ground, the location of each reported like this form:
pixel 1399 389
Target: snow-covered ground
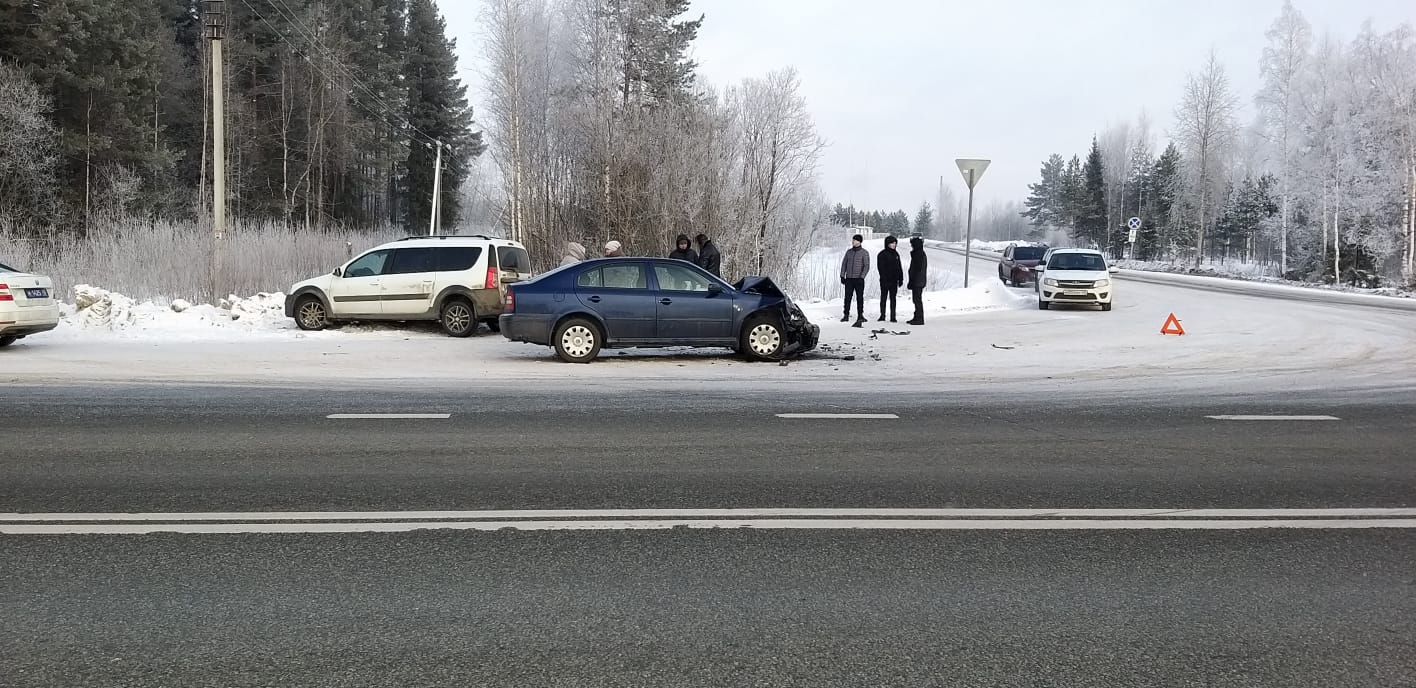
pixel 986 338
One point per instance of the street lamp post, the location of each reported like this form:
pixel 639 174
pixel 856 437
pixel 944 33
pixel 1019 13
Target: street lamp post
pixel 972 169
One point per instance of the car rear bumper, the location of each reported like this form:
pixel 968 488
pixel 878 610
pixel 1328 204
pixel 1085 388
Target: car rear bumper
pixel 525 327
pixel 19 322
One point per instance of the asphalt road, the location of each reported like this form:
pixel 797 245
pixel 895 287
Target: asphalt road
pixel 701 607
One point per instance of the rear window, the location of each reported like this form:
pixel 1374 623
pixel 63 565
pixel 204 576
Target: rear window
pixel 1028 253
pixel 410 260
pixel 589 278
pixel 513 259
pixel 6 268
pixel 458 258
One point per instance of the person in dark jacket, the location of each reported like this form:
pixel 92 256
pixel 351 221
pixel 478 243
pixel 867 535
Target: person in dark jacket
pixel 892 276
pixel 684 250
pixel 919 276
pixel 708 257
pixel 854 267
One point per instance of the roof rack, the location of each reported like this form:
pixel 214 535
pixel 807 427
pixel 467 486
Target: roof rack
pixel 448 236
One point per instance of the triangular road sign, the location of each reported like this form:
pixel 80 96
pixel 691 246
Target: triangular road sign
pixel 1172 326
pixel 972 169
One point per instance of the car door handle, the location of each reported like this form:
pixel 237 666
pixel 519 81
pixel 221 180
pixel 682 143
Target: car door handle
pixel 666 301
pixel 593 299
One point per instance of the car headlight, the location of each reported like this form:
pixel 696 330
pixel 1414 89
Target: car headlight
pixel 1103 283
pixel 1050 282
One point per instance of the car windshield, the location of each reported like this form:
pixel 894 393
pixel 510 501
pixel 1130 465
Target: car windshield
pixel 1091 262
pixel 6 268
pixel 1028 253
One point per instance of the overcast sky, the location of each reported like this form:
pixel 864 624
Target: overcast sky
pixel 900 88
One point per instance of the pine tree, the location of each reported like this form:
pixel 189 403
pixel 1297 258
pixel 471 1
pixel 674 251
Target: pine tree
pixel 437 110
pixel 923 219
pixel 1046 202
pixel 1091 201
pixel 1168 229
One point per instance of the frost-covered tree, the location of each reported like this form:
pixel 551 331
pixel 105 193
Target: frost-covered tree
pixel 1206 129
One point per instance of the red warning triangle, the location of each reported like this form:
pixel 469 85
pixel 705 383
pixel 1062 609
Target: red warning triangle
pixel 1172 326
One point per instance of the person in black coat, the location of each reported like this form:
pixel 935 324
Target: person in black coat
pixel 892 276
pixel 708 257
pixel 919 277
pixel 683 250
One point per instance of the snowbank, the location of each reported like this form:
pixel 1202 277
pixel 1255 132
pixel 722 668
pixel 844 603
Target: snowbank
pixel 99 312
pixel 981 297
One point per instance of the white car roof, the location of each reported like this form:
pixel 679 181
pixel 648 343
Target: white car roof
pixel 425 242
pixel 1075 250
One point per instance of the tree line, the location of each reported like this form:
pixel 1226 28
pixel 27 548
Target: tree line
pixel 332 112
pixel 604 131
pixel 1320 185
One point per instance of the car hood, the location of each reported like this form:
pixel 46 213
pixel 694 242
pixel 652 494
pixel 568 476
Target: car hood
pixel 1078 275
pixel 758 285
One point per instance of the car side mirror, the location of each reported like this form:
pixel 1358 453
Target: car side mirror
pixel 1039 268
pixel 338 272
pixel 715 290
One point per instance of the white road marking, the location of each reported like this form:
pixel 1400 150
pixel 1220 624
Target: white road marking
pixel 657 519
pixel 763 524
pixel 745 513
pixel 1279 418
pixel 389 416
pixel 853 416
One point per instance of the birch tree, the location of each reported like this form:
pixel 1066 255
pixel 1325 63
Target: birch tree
pixel 1284 61
pixel 1206 128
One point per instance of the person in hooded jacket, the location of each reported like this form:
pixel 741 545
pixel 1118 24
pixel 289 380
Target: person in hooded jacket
pixel 919 276
pixel 574 253
pixel 892 276
pixel 684 250
pixel 708 256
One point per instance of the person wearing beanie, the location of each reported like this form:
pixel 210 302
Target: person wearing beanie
pixel 683 250
pixel 854 267
pixel 892 276
pixel 613 250
pixel 919 277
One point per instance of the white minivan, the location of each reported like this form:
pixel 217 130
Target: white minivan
pixel 459 281
pixel 1078 276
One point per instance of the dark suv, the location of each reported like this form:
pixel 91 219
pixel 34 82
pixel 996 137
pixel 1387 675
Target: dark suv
pixel 1016 265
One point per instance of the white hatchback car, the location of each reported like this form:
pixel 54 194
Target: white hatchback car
pixel 459 281
pixel 1078 276
pixel 27 305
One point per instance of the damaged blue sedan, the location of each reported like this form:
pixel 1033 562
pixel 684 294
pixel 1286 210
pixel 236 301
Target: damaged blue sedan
pixel 582 308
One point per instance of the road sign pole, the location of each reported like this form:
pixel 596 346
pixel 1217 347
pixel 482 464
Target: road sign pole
pixel 968 233
pixel 972 169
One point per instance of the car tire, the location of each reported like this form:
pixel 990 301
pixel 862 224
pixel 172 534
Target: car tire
pixel 577 341
pixel 1105 307
pixel 311 314
pixel 763 338
pixel 458 318
pixel 1043 305
pixel 6 341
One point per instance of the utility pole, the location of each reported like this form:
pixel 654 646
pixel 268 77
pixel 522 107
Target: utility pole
pixel 437 191
pixel 214 17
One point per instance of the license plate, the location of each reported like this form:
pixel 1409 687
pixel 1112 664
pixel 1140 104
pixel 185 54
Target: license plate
pixel 1075 293
pixel 36 293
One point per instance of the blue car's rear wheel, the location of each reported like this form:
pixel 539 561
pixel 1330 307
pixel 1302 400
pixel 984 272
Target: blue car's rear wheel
pixel 763 338
pixel 577 341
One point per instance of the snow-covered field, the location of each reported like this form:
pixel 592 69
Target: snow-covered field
pixel 987 338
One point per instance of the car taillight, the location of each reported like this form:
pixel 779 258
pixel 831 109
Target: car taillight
pixel 510 302
pixel 5 294
pixel 491 278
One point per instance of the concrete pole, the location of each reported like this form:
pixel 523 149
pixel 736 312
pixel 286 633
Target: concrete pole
pixel 437 192
pixel 214 14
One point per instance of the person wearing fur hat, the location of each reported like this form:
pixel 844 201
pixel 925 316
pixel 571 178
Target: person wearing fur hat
pixel 614 249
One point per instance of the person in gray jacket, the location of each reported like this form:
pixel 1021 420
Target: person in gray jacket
pixel 854 267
